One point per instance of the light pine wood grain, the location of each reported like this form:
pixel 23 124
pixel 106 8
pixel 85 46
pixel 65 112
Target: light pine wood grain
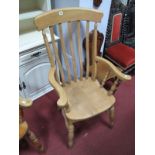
pixel 87 49
pixel 57 56
pixel 70 133
pixel 113 87
pixel 111 115
pixel 105 65
pixel 79 48
pixel 86 99
pixel 105 78
pixel 69 24
pixel 49 51
pixel 57 16
pixel 94 52
pixel 62 102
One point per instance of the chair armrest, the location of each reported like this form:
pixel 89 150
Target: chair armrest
pixel 25 102
pixel 62 102
pixel 112 68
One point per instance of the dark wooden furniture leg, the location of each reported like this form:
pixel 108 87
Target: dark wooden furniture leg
pixel 31 137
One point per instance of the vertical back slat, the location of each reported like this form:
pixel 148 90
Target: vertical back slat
pixel 80 49
pixel 64 52
pixel 94 52
pixel 87 49
pixel 105 78
pixel 72 49
pixel 56 75
pixel 57 55
pixel 49 51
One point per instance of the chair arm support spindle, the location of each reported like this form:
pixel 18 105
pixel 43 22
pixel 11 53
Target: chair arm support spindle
pixel 104 79
pixel 112 68
pixel 114 87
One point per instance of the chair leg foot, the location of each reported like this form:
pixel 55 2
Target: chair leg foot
pixel 112 115
pixel 70 134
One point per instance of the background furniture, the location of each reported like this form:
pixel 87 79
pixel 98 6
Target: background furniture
pixel 28 9
pixel 120 54
pixel 120 32
pixel 24 131
pixel 34 68
pixel 34 64
pixel 100 38
pixel 128 24
pixel 80 97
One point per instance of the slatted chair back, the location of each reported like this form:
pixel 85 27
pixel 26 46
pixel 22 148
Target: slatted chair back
pixel 69 16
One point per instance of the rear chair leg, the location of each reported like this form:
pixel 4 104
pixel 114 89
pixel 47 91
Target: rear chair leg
pixel 111 115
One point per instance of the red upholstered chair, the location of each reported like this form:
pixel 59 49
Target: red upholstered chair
pixel 120 54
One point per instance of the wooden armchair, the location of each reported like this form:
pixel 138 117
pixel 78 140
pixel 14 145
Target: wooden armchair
pixel 80 97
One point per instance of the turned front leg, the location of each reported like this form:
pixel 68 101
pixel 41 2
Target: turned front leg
pixel 70 134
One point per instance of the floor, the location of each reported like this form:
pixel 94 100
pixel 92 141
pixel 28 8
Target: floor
pixel 92 137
